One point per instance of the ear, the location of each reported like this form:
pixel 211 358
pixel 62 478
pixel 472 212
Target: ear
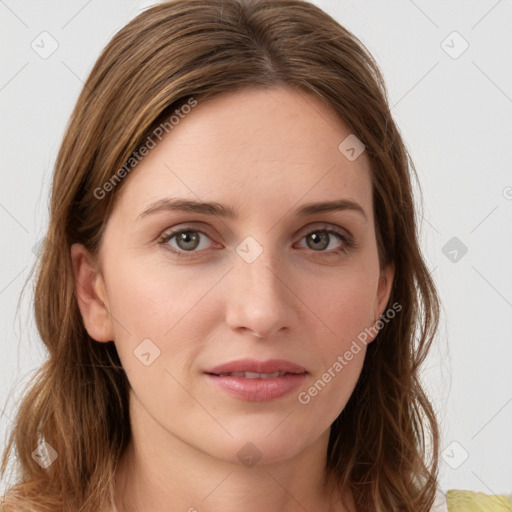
pixel 91 295
pixel 381 300
pixel 384 290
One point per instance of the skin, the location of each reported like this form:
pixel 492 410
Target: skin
pixel 264 153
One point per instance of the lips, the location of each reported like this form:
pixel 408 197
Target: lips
pixel 252 375
pixel 257 381
pixel 253 369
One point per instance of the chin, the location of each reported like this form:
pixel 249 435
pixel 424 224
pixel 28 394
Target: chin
pixel 265 443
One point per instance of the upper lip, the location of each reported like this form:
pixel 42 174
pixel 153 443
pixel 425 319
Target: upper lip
pixel 255 366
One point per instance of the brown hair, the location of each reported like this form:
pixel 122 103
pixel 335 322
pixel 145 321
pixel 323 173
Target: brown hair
pixel 384 444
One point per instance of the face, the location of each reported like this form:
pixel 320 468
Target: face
pixel 182 291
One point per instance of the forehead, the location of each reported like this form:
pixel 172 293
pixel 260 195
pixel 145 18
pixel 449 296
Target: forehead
pixel 276 147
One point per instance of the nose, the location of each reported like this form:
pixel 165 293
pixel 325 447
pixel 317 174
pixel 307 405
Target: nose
pixel 260 300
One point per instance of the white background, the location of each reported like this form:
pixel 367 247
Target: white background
pixel 455 116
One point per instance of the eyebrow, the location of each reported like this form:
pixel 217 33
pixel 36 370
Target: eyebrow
pixel 220 210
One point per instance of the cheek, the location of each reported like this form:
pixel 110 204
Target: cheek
pixel 155 295
pixel 345 312
pixel 149 302
pixel 161 324
pixel 329 389
pixel 341 302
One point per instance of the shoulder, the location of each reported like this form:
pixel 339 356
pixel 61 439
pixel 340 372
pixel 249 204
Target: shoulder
pixel 458 500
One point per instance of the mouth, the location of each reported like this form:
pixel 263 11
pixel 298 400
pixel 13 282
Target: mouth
pixel 257 381
pixel 253 368
pixel 253 375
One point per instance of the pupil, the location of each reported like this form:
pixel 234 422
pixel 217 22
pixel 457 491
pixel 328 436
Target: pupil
pixel 323 237
pixel 186 238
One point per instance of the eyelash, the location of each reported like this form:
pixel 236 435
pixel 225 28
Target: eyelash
pixel 348 242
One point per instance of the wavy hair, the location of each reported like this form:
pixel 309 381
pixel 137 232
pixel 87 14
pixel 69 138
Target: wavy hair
pixel 384 444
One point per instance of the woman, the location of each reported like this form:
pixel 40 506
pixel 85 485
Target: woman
pixel 231 289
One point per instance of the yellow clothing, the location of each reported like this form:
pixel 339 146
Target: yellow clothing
pixel 469 501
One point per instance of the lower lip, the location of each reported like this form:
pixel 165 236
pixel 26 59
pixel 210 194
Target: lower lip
pixel 258 390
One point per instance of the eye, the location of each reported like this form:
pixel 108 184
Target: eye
pixel 187 240
pixel 320 239
pixel 191 240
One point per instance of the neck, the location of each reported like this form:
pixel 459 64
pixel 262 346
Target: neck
pixel 159 472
